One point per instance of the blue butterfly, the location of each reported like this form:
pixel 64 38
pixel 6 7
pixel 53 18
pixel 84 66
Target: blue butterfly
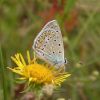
pixel 48 45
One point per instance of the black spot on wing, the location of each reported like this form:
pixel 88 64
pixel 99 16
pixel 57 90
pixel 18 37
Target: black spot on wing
pixel 42 48
pixel 56 31
pixel 59 51
pixel 59 44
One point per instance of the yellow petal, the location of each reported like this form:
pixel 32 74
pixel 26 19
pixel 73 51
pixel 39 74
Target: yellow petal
pixel 28 57
pixel 22 59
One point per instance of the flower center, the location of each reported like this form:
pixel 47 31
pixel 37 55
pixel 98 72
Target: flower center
pixel 39 74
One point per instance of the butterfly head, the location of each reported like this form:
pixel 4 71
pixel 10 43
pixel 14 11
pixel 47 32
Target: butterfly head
pixel 65 61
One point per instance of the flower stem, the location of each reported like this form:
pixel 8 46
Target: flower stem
pixel 3 75
pixel 39 95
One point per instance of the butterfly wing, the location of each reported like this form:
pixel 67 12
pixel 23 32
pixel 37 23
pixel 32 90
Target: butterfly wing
pixel 48 44
pixel 53 25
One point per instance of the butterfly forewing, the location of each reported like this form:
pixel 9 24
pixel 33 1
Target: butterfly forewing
pixel 48 45
pixel 53 25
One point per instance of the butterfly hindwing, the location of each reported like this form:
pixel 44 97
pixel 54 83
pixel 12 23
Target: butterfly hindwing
pixel 48 45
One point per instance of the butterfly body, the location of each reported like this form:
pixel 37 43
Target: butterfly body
pixel 48 44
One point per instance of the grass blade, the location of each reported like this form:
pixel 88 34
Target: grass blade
pixel 3 75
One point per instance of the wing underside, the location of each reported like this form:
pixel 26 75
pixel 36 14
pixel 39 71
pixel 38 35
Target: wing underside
pixel 48 44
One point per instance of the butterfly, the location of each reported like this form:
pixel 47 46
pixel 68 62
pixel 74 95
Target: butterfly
pixel 48 45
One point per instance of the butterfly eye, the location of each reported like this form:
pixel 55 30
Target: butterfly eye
pixel 65 61
pixel 59 44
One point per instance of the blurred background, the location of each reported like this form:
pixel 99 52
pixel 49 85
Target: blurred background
pixel 79 20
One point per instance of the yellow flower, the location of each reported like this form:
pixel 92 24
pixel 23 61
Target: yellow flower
pixel 37 73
